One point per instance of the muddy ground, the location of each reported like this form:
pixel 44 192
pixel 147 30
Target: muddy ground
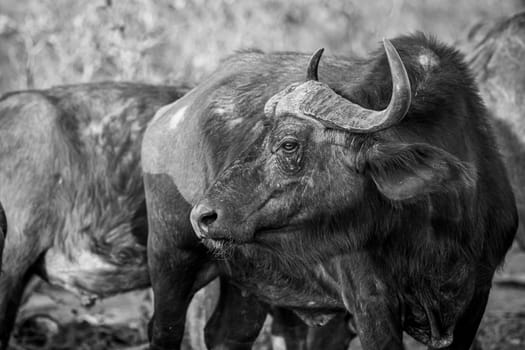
pixel 53 319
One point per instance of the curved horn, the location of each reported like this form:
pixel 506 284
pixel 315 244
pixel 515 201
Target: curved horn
pixel 323 104
pixel 401 92
pixel 313 65
pixel 355 118
pixel 317 101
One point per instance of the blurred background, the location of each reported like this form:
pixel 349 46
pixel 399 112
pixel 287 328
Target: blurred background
pixel 51 42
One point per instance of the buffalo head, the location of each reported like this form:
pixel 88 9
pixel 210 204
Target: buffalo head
pixel 322 160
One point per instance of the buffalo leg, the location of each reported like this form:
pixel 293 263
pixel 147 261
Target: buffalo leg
pixel 172 281
pixel 288 330
pixel 336 335
pixel 175 260
pixel 236 321
pixel 291 333
pixel 467 326
pixel 20 255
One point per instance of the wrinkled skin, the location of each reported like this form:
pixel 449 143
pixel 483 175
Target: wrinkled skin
pixel 292 173
pixel 400 229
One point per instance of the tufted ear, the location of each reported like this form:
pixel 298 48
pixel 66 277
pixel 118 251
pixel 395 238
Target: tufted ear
pixel 405 171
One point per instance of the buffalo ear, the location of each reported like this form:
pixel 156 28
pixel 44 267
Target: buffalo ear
pixel 405 171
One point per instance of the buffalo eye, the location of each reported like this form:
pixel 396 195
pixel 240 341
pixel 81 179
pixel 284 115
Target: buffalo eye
pixel 290 153
pixel 289 146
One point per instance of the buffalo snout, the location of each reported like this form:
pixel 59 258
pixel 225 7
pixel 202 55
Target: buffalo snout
pixel 218 222
pixel 203 217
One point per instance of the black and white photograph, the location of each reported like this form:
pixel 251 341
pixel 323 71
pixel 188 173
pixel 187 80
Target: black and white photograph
pixel 262 175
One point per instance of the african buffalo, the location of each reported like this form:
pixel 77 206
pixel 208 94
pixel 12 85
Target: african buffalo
pixel 371 189
pixel 497 63
pixel 72 190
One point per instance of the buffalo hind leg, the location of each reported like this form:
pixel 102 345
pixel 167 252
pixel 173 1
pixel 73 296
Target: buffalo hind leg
pixel 20 255
pixel 236 321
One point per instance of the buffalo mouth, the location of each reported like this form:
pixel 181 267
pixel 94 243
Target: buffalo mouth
pixel 263 235
pixel 217 245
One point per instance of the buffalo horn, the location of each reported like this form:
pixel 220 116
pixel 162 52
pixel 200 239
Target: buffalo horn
pixel 316 101
pixel 313 65
pixel 333 109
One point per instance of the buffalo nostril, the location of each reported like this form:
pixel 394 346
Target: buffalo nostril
pixel 201 218
pixel 207 219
